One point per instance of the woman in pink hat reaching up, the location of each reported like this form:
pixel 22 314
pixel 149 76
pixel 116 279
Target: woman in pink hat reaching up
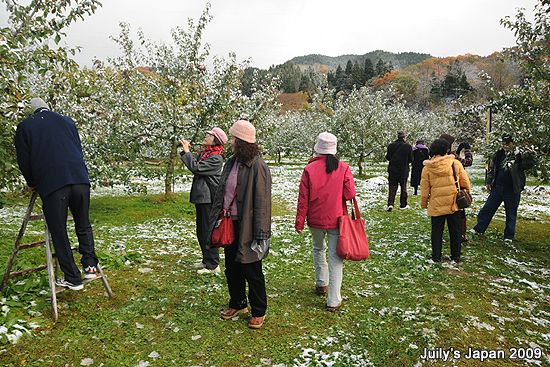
pixel 206 167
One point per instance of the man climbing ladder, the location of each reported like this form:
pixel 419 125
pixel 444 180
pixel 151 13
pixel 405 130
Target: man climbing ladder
pixel 49 154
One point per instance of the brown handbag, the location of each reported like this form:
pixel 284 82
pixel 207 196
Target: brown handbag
pixel 463 197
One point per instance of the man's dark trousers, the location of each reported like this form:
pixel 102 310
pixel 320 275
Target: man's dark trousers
pixel 393 183
pixel 55 207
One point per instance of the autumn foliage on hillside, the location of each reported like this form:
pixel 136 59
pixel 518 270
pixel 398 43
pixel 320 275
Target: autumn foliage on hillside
pixel 292 101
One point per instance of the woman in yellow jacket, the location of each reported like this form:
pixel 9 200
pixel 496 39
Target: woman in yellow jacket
pixel 438 195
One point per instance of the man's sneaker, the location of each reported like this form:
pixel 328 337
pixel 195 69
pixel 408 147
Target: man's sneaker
pixel 62 282
pixel 405 207
pixel 508 239
pixel 90 272
pixel 200 265
pixel 475 232
pixel 390 208
pixel 216 270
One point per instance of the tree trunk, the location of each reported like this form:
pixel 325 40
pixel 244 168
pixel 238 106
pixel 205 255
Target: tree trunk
pixel 170 169
pixel 359 164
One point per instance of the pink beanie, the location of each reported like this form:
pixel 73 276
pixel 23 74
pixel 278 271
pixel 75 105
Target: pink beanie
pixel 218 133
pixel 243 130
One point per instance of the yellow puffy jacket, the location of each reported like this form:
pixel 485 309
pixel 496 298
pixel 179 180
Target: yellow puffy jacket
pixel 438 185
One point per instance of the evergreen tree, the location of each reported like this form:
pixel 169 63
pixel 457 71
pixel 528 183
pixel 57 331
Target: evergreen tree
pixel 388 68
pixel 380 68
pixel 304 84
pixel 331 79
pixel 455 83
pixel 368 70
pixel 357 75
pixel 349 67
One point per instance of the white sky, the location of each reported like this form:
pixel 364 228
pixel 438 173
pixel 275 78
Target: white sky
pixel 274 31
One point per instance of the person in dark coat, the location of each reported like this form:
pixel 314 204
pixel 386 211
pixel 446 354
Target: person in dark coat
pixel 206 167
pixel 49 154
pixel 399 155
pixel 466 162
pixel 245 185
pixel 505 180
pixel 420 154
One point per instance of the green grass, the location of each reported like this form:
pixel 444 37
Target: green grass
pixel 396 303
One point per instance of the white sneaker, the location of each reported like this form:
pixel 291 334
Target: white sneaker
pixel 62 282
pixel 508 240
pixel 216 270
pixel 405 207
pixel 475 232
pixel 90 272
pixel 390 208
pixel 200 265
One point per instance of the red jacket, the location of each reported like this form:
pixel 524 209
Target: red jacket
pixel 320 197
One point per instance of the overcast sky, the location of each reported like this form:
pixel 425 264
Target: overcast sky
pixel 271 32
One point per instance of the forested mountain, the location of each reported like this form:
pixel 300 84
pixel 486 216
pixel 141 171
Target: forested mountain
pixel 399 61
pixel 421 80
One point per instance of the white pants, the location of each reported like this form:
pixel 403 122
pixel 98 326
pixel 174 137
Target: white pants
pixel 330 274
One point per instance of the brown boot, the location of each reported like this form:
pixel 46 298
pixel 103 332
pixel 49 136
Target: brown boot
pixel 463 225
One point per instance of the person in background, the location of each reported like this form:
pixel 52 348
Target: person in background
pixel 420 154
pixel 438 195
pixel 49 154
pixel 505 180
pixel 245 184
pixel 325 183
pixel 466 162
pixel 206 168
pixel 399 155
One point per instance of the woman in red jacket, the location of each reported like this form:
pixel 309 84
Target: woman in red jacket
pixel 325 181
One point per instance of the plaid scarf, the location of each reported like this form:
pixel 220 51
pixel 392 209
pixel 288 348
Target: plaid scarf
pixel 213 149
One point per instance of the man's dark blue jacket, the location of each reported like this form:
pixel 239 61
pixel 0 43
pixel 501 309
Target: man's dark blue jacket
pixel 49 152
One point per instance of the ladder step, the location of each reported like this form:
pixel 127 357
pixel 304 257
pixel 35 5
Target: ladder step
pixel 32 244
pixel 41 216
pixel 84 281
pixel 27 271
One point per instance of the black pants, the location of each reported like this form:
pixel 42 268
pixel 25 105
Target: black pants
pixel 55 207
pixel 393 183
pixel 238 274
pixel 210 256
pixel 455 233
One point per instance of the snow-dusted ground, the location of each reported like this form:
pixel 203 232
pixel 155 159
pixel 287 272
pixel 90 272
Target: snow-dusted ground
pixel 167 235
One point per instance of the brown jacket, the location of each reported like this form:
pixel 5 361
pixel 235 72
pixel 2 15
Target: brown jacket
pixel 253 206
pixel 438 185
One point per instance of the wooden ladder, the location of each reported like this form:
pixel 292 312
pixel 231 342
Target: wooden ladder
pixel 51 259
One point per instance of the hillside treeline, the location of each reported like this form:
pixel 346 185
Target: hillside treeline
pixel 424 85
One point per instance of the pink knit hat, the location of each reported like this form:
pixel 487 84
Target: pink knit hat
pixel 243 130
pixel 218 133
